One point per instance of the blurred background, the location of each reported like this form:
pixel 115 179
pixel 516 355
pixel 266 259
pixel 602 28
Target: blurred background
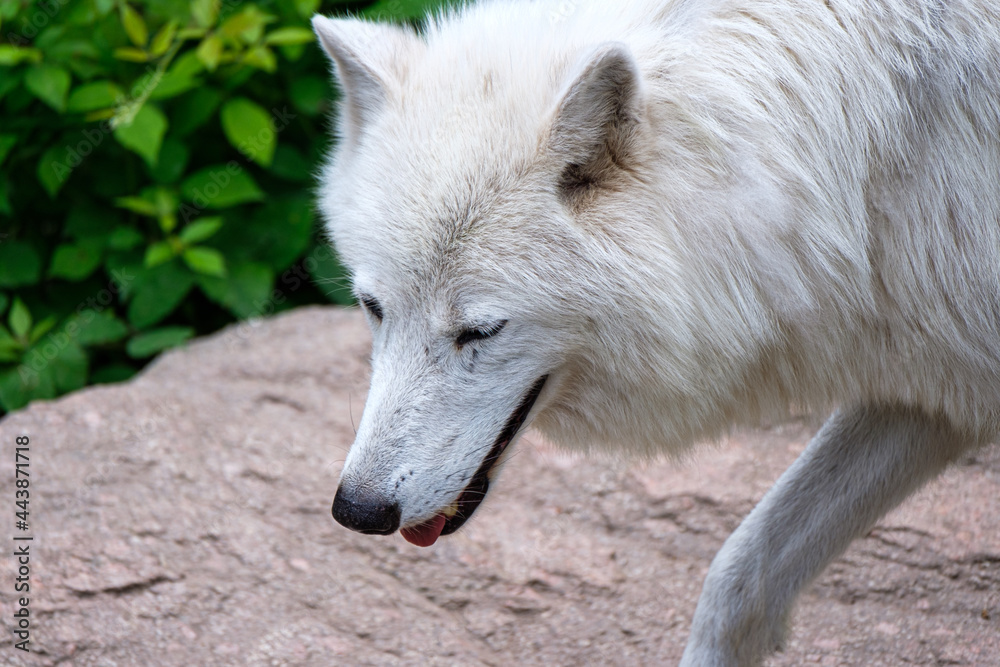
pixel 157 169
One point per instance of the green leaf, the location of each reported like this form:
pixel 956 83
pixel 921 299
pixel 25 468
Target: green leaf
pixel 74 261
pixel 165 201
pixel 206 261
pixel 41 329
pixel 210 52
pixel 19 319
pixel 124 238
pixel 7 142
pixel 149 343
pixel 49 83
pixel 164 38
pixel 10 349
pixel 262 58
pixel 92 96
pixel 22 384
pixel 292 52
pixel 15 55
pixel 307 8
pixel 46 39
pixel 69 368
pixel 289 35
pixel 90 327
pixel 80 13
pixel 159 252
pixel 205 12
pixel 145 134
pixel 172 86
pixel 19 264
pixel 200 229
pixel 247 24
pixel 52 171
pixel 249 129
pixel 139 205
pixel 156 291
pixel 131 54
pixel 185 34
pixel 103 7
pixel 244 292
pixel 173 159
pixel 134 26
pixel 4 302
pixel 220 186
pixel 73 51
pixel 85 70
pixel 180 78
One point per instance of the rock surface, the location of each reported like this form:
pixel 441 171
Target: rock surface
pixel 183 519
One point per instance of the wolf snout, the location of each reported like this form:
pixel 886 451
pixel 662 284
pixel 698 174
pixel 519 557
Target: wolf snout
pixel 365 511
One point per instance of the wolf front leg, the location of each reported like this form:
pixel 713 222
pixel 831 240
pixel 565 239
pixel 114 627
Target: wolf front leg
pixel 860 465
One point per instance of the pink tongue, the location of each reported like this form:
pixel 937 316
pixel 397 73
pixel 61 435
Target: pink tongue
pixel 426 533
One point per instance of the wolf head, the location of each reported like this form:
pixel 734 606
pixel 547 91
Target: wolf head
pixel 466 197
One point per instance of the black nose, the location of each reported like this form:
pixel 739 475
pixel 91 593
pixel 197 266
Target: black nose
pixel 365 512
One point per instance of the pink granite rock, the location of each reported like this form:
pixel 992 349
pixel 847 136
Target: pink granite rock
pixel 184 519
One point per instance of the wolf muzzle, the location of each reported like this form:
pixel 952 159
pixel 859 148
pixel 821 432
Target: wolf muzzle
pixel 365 512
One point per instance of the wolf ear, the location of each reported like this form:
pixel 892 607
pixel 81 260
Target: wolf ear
pixel 369 59
pixel 594 129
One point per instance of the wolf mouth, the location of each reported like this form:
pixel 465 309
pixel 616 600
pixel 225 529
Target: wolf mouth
pixel 475 491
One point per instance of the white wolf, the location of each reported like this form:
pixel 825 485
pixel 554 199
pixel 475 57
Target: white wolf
pixel 637 224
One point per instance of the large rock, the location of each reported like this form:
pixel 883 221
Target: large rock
pixel 183 519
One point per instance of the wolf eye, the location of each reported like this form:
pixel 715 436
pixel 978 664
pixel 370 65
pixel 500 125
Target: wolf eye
pixel 372 305
pixel 480 333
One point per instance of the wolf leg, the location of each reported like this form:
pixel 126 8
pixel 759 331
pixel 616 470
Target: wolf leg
pixel 860 465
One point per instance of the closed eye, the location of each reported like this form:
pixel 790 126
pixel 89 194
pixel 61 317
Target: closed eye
pixel 480 332
pixel 372 305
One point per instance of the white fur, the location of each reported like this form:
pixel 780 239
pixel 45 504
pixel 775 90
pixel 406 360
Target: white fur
pixel 794 206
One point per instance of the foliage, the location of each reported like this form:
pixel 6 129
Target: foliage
pixel 156 177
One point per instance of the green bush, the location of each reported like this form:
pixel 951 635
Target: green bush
pixel 156 178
